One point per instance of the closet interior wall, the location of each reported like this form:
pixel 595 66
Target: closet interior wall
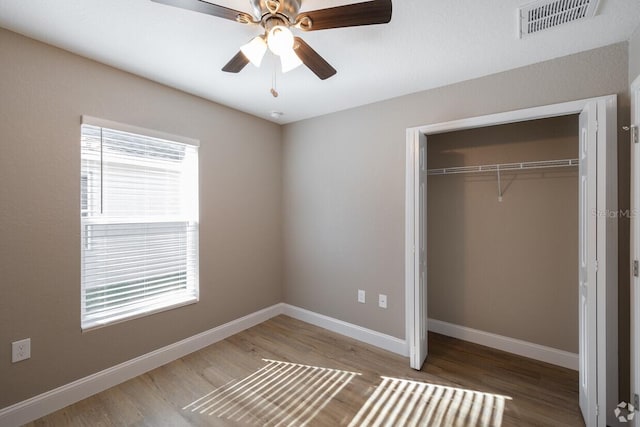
pixel 506 267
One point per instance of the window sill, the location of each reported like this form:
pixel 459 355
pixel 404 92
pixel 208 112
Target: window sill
pixel 89 324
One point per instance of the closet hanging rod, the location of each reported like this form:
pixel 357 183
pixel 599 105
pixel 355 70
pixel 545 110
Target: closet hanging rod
pixel 544 164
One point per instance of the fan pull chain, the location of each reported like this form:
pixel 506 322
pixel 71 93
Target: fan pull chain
pixel 274 92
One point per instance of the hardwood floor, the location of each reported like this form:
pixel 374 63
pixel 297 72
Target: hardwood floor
pixel 286 372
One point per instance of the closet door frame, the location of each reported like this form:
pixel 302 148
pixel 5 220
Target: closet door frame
pixel 635 247
pixel 606 276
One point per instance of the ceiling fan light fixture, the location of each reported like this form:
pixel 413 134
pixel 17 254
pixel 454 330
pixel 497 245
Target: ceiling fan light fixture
pixel 276 16
pixel 280 40
pixel 289 60
pixel 255 50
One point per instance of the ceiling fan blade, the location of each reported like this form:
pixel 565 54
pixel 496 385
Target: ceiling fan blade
pixel 352 15
pixel 236 64
pixel 313 60
pixel 210 9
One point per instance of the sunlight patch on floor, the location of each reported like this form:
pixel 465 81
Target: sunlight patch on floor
pixel 279 394
pixel 398 402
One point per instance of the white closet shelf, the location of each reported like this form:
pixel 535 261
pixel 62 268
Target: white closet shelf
pixel 503 167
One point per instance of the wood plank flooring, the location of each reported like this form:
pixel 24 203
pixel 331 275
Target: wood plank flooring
pixel 286 372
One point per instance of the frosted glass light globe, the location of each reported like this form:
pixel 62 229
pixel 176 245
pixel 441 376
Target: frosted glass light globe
pixel 280 40
pixel 255 50
pixel 289 60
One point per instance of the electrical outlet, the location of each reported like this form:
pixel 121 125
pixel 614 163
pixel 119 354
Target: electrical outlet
pixel 20 350
pixel 361 296
pixel 382 301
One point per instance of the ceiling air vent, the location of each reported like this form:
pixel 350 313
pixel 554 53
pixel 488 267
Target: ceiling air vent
pixel 542 15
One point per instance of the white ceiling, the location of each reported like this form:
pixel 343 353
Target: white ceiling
pixel 429 43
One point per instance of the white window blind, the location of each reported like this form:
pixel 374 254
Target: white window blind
pixel 139 224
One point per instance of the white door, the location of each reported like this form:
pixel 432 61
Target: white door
pixel 635 245
pixel 420 349
pixel 587 264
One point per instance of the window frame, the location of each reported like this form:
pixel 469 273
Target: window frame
pixel 142 308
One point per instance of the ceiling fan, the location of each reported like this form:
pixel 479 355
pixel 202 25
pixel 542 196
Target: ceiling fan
pixel 276 17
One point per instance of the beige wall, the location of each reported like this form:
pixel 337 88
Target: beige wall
pixel 507 267
pixel 634 55
pixel 344 180
pixel 43 93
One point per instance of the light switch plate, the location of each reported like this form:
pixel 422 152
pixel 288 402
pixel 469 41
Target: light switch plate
pixel 382 301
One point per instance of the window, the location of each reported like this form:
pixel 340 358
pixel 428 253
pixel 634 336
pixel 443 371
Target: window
pixel 139 222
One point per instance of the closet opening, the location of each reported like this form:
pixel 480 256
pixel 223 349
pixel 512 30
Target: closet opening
pixel 502 227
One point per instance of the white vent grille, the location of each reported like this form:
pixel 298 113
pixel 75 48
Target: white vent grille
pixel 547 14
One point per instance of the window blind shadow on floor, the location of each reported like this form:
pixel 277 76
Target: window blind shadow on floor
pixel 279 394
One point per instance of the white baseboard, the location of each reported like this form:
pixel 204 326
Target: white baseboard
pixel 50 401
pixel 386 342
pixel 511 345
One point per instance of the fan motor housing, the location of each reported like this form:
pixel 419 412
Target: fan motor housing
pixel 288 8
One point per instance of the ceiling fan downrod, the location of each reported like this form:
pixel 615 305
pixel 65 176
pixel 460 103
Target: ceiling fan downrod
pixel 286 8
